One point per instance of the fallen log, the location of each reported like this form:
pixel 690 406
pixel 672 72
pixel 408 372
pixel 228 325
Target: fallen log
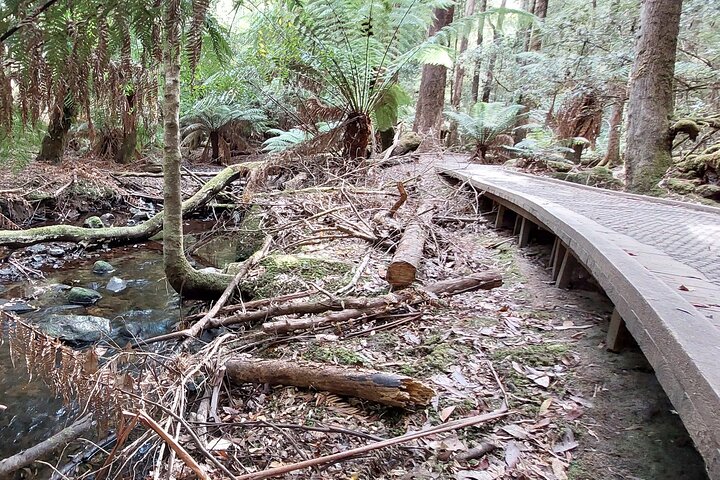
pixel 477 281
pixel 119 235
pixel 381 387
pixel 292 324
pixel 59 440
pixel 409 253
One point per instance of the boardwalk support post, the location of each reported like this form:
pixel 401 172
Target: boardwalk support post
pixel 558 255
pixel 567 267
pixel 618 334
pixel 500 216
pixel 526 227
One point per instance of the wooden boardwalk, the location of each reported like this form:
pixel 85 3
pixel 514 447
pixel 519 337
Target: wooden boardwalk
pixel 658 262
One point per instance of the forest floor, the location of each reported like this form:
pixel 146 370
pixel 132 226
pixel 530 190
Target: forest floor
pixel 576 410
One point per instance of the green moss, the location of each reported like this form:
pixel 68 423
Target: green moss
pixel 282 274
pixel 336 355
pixel 683 187
pixel 595 177
pixel 559 166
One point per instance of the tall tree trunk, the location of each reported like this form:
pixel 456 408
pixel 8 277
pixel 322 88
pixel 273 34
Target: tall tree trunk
pixel 478 63
pixel 530 7
pixel 540 11
pixel 428 115
pixel 459 76
pixel 612 156
pixel 650 104
pixel 180 274
pixel 129 142
pixel 54 143
pixel 489 79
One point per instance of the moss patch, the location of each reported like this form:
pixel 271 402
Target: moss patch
pixel 544 355
pixel 336 355
pixel 595 177
pixel 282 274
pixel 683 187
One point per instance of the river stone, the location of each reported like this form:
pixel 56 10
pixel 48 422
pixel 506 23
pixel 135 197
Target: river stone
pixel 116 285
pixel 76 328
pixel 37 248
pixel 107 218
pixel 16 306
pixel 102 267
pixel 93 222
pixel 83 296
pixel 56 251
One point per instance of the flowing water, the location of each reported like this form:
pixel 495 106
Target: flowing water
pixel 146 307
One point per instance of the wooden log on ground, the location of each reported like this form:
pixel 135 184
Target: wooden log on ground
pixel 119 235
pixel 409 253
pixel 381 387
pixel 59 440
pixel 478 281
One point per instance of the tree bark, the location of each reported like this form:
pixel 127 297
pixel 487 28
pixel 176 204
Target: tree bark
pixel 478 63
pixel 490 78
pixel 357 136
pixel 540 11
pixel 119 235
pixel 381 387
pixel 459 77
pixel 650 104
pixel 612 156
pixel 129 142
pixel 428 113
pixel 215 145
pixel 54 143
pixel 409 253
pixel 179 273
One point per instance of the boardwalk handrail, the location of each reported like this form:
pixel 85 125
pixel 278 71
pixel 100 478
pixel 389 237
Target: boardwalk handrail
pixel 680 343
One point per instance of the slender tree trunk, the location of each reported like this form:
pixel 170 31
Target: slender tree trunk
pixel 478 63
pixel 127 148
pixel 215 145
pixel 182 277
pixel 428 115
pixel 540 11
pixel 489 79
pixel 54 143
pixel 612 156
pixel 459 77
pixel 650 104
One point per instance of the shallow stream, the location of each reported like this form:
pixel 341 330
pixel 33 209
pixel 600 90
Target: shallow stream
pixel 145 307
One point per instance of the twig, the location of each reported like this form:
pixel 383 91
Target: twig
pixel 356 276
pixel 337 457
pixel 403 198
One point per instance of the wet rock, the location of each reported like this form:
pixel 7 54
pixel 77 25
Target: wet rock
pixel 48 295
pixel 709 191
pixel 102 267
pixel 83 296
pixel 76 328
pixel 37 248
pixel 408 142
pixel 107 219
pixel 93 222
pixel 16 306
pixel 56 251
pixel 116 285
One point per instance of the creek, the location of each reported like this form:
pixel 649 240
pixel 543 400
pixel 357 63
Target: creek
pixel 145 307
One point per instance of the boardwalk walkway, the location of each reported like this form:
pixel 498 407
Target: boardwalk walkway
pixel 657 260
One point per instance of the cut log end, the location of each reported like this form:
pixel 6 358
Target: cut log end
pixel 401 274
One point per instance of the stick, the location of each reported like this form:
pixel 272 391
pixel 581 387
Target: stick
pixel 60 439
pixel 337 457
pixel 176 447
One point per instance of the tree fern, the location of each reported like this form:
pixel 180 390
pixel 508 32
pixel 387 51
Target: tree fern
pixel 485 122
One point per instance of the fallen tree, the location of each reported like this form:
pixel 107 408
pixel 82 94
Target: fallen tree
pixel 409 253
pixel 381 387
pixel 120 235
pixel 478 281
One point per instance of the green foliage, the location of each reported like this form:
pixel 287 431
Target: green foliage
pixel 286 139
pixel 486 121
pixel 214 112
pixel 19 145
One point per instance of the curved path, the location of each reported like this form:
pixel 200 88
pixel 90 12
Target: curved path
pixel 657 260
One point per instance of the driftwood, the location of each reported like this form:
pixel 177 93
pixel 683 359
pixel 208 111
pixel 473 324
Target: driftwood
pixel 59 440
pixel 478 281
pixel 381 387
pixel 409 253
pixel 118 235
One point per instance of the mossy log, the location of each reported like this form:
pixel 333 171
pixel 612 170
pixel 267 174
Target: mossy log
pixel 381 387
pixel 120 235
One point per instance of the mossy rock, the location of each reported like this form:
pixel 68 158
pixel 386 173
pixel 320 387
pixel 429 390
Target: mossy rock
pixel 282 274
pixel 559 166
pixel 101 267
pixel 708 191
pixel 93 222
pixel 595 177
pixel 83 296
pixel 683 187
pixel 408 142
